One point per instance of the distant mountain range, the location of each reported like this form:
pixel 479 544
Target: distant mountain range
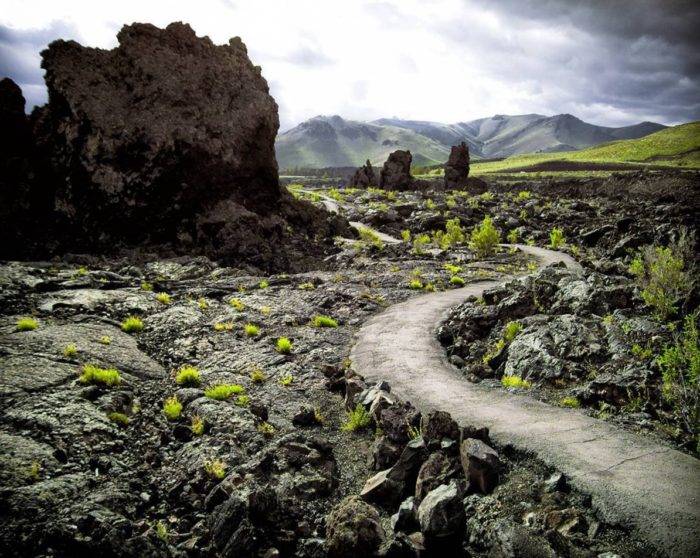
pixel 332 141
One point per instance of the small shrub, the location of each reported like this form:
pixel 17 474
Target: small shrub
pixel 420 242
pixel 570 402
pixel 283 346
pixel 524 195
pixel 556 238
pixel 188 376
pixel 429 288
pixel 172 408
pixel 680 374
pixel 406 235
pixel 370 237
pixel 69 351
pixel 34 472
pixel 429 204
pixel 453 269
pixel 202 304
pixel 511 330
pixel 308 286
pixel 197 425
pixel 163 298
pixel 146 286
pixel 265 310
pixel 286 380
pixel 487 196
pixel 513 236
pixel 237 304
pixel 415 284
pixel 318 417
pixel 263 284
pixel 81 271
pixel 215 468
pixel 223 326
pixel 454 234
pixel 251 330
pixel 243 400
pixel 99 376
pixel 514 382
pixel 358 419
pixel 457 281
pixel 257 376
pixel 324 321
pixel 105 340
pixel 162 531
pixel 132 324
pixel 640 352
pixel 26 324
pixel 485 238
pixel 221 392
pixel 266 429
pixel 660 274
pixel 119 418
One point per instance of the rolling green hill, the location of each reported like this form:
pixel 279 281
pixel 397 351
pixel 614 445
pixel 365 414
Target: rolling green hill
pixel 678 146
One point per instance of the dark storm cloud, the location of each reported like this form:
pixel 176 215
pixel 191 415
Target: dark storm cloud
pixel 637 56
pixel 20 57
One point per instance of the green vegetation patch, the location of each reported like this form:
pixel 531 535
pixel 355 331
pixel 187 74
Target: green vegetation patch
pixel 99 376
pixel 221 392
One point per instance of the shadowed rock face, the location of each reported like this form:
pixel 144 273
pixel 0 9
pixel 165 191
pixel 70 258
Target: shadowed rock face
pixel 457 167
pixel 15 150
pixel 396 173
pixel 167 141
pixel 363 177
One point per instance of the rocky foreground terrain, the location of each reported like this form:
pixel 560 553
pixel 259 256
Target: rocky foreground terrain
pixel 255 468
pixel 175 328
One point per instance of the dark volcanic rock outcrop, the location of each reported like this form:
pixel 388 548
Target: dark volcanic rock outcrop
pixel 457 167
pixel 168 141
pixel 15 153
pixel 396 173
pixel 364 176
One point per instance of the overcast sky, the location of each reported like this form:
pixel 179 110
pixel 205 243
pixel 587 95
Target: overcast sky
pixel 610 62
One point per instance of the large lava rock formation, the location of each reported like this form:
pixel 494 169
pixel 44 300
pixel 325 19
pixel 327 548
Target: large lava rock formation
pixel 167 142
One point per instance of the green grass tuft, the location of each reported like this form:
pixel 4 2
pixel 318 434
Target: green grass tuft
pixel 70 350
pixel 283 346
pixel 163 298
pixel 119 418
pixel 172 408
pixel 99 376
pixel 570 402
pixel 221 392
pixel 251 330
pixel 457 281
pixel 132 324
pixel 324 321
pixel 515 382
pixel 358 419
pixel 188 376
pixel 26 324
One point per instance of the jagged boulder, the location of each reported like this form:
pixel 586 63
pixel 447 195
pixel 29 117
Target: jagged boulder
pixel 396 172
pixel 364 176
pixel 353 528
pixel 457 167
pixel 167 141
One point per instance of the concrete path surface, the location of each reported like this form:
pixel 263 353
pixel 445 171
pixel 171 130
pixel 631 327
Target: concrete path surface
pixel 633 481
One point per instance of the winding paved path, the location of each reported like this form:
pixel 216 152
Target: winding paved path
pixel 632 480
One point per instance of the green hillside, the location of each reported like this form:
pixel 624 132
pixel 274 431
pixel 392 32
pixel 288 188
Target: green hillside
pixel 678 146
